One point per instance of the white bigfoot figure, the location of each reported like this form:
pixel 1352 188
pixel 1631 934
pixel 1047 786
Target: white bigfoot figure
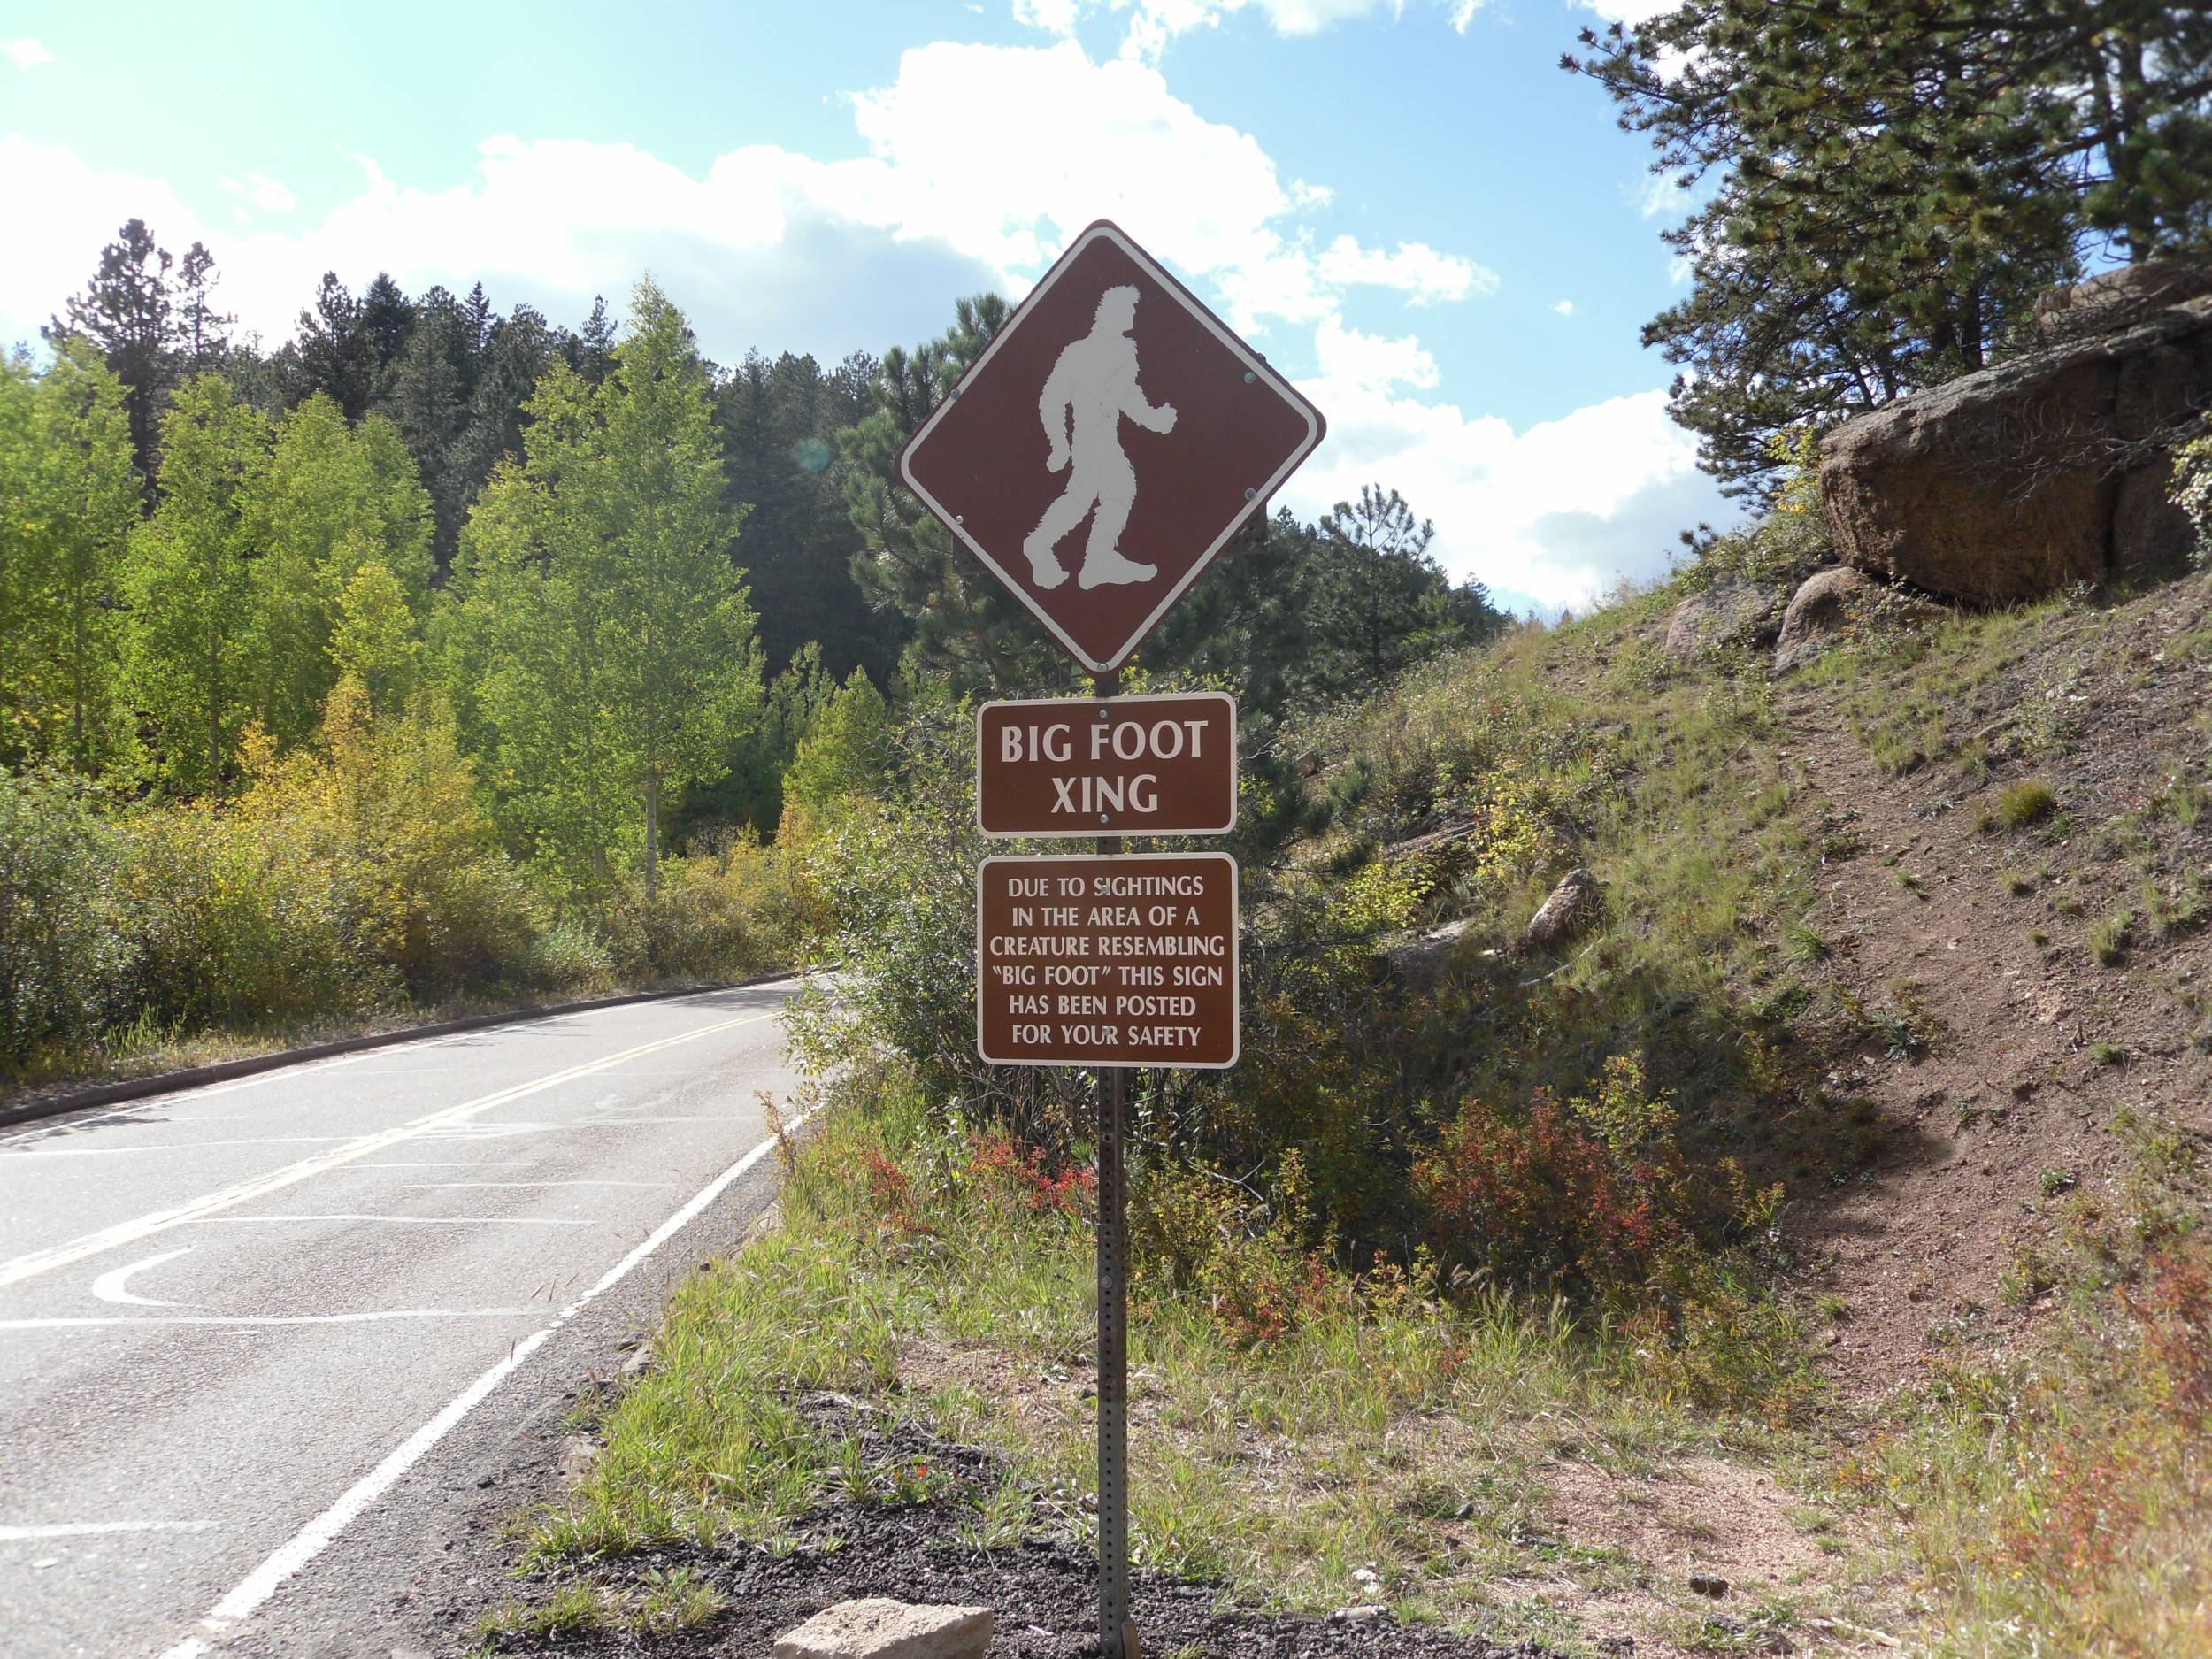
pixel 1090 389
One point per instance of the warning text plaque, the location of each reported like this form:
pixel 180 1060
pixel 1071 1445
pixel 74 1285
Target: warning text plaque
pixel 1107 960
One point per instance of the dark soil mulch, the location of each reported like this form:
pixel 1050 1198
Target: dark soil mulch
pixel 1044 1589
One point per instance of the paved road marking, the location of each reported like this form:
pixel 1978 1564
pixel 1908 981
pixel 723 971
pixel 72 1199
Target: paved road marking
pixel 441 1187
pixel 411 1221
pixel 45 1261
pixel 7 1158
pixel 71 1322
pixel 630 1123
pixel 280 1074
pixel 312 1540
pixel 474 1163
pixel 109 1286
pixel 88 1529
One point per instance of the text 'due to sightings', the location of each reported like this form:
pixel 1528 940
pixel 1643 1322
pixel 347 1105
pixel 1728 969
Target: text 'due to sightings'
pixel 1107 960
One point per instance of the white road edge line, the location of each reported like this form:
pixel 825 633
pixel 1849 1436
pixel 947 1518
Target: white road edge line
pixel 312 1540
pixel 88 1529
pixel 77 1249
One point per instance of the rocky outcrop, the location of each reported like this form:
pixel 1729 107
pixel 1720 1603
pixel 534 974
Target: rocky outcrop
pixel 1572 906
pixel 2118 299
pixel 1836 604
pixel 876 1627
pixel 1729 612
pixel 2049 468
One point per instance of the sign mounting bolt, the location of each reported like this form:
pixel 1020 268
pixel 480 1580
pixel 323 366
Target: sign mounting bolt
pixel 1249 494
pixel 1249 377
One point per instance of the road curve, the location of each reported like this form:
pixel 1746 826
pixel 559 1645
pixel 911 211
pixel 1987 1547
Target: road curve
pixel 257 1337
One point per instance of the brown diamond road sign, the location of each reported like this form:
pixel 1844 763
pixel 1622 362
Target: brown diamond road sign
pixel 1112 438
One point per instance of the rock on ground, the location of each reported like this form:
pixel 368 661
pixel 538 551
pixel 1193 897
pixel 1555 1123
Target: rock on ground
pixel 1572 905
pixel 2048 469
pixel 1727 613
pixel 1833 605
pixel 876 1627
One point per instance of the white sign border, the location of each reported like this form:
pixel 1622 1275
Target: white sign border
pixel 1316 428
pixel 1124 829
pixel 1236 960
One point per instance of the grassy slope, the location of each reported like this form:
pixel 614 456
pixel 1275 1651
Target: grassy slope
pixel 1493 1466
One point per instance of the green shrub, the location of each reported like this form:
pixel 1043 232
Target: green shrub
pixel 386 807
pixel 235 922
pixel 571 957
pixel 60 957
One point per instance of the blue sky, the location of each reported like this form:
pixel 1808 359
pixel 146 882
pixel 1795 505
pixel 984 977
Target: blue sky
pixel 1409 207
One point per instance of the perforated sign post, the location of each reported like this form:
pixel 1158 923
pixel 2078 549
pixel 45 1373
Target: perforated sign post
pixel 1106 445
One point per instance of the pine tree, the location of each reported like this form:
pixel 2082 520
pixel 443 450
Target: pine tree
pixel 425 396
pixel 965 631
pixel 335 355
pixel 387 318
pixel 780 422
pixel 1896 181
pixel 595 346
pixel 128 314
pixel 203 331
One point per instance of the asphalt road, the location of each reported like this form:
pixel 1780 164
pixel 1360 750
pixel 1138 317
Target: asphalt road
pixel 263 1343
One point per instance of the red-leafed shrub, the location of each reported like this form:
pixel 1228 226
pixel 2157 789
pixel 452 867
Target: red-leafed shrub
pixel 888 1188
pixel 2174 1311
pixel 1002 1165
pixel 1586 1197
pixel 1539 1202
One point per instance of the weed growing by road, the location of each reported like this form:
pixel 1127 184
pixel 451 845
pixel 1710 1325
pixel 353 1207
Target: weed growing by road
pixel 2062 1502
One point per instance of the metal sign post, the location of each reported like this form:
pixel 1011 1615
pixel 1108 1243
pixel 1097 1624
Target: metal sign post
pixel 1113 403
pixel 1117 1633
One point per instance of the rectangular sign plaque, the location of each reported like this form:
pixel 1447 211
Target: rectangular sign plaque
pixel 1163 765
pixel 1107 960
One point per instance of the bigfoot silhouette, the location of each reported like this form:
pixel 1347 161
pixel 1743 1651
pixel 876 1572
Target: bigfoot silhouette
pixel 1090 389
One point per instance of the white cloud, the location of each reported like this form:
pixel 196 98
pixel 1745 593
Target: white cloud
pixel 1417 270
pixel 980 163
pixel 28 52
pixel 1630 12
pixel 1057 16
pixel 263 192
pixel 1555 514
pixel 1565 308
pixel 1372 363
pixel 1155 25
pixel 963 181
